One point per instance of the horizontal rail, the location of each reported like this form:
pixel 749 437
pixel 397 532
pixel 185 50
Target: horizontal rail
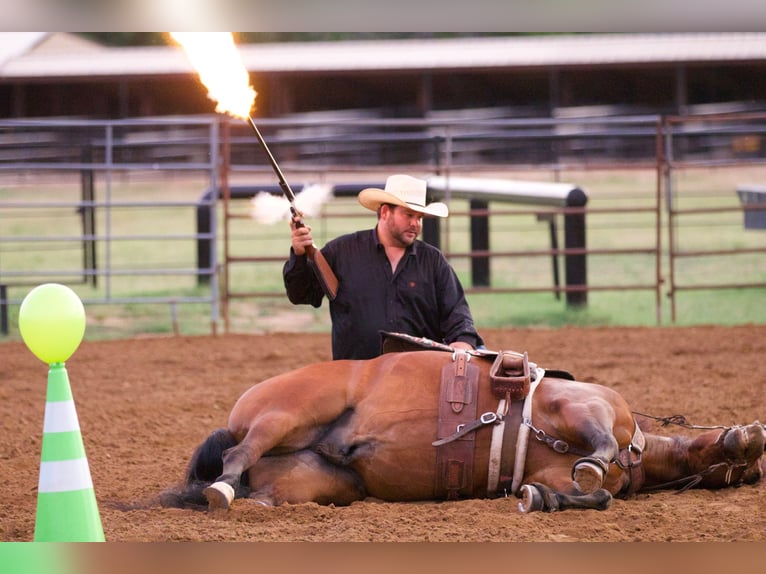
pixel 124 146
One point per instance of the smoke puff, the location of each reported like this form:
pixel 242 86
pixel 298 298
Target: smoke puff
pixel 311 198
pixel 268 209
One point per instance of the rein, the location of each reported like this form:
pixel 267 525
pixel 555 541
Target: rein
pixel 680 420
pixel 693 480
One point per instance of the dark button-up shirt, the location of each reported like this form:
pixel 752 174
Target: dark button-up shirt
pixel 423 297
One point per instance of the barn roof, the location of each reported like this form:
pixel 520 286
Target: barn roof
pixel 511 52
pixel 14 44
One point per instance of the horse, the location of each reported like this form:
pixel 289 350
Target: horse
pixel 424 424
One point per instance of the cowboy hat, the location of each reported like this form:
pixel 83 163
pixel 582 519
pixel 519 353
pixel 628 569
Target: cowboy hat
pixel 405 191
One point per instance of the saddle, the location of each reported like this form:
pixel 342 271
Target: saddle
pixel 401 342
pixel 510 377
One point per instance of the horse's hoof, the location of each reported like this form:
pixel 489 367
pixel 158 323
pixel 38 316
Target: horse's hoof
pixel 587 476
pixel 531 499
pixel 219 496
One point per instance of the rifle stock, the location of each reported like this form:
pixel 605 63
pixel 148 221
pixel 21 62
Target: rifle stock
pixel 317 262
pixel 323 272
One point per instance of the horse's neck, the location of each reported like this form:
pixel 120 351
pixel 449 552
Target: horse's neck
pixel 665 458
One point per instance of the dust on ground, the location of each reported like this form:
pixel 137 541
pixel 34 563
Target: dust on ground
pixel 144 405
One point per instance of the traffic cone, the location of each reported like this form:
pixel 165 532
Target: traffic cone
pixel 66 502
pixel 26 558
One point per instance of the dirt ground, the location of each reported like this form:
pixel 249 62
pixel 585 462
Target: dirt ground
pixel 144 404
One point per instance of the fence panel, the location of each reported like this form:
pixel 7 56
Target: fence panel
pixel 94 205
pixel 715 207
pixel 142 217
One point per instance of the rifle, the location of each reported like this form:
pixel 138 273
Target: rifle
pixel 317 262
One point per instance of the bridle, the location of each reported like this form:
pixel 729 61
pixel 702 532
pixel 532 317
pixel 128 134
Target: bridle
pixel 693 480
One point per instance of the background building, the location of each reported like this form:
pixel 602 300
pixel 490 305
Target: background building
pixel 61 75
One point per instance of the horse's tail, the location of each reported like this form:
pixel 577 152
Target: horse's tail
pixel 204 467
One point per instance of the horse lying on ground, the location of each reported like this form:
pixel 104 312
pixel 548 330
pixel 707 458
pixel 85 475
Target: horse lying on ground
pixel 431 425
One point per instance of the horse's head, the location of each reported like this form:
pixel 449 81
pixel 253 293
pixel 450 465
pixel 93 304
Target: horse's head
pixel 734 457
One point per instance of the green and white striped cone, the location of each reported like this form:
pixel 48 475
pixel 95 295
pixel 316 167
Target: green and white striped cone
pixel 66 502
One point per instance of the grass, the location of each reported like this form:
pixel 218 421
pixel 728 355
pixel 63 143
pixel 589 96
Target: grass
pixel 153 288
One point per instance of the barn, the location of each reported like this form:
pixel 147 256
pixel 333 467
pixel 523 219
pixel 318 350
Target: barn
pixel 45 74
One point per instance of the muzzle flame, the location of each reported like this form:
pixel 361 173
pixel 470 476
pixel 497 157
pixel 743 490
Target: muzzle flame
pixel 219 65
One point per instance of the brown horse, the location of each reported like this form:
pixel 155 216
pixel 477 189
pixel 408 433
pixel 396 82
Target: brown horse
pixel 340 431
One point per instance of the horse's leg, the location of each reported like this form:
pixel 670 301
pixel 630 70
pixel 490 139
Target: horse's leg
pixel 595 422
pixel 283 428
pixel 589 472
pixel 303 476
pixel 538 497
pixel 284 414
pixel 220 494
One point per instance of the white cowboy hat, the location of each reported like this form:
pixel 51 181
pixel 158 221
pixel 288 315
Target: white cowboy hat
pixel 404 190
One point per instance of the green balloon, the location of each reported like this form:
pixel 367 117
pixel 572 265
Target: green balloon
pixel 52 322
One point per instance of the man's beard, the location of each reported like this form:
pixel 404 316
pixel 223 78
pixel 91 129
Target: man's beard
pixel 405 237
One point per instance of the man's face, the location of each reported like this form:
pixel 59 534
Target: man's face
pixel 403 224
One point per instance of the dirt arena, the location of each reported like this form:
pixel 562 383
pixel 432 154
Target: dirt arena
pixel 144 404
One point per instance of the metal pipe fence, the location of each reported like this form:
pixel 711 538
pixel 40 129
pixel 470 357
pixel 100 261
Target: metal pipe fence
pixel 111 207
pixel 740 249
pixel 94 180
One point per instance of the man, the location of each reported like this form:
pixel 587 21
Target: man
pixel 388 279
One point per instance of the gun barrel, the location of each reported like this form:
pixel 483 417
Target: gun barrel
pixel 322 270
pixel 282 181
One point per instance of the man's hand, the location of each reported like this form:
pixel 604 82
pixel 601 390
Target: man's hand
pixel 300 237
pixel 461 345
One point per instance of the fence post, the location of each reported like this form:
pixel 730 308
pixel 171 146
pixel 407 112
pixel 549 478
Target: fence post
pixel 479 242
pixel 3 309
pixel 204 225
pixel 432 231
pixel 575 264
pixel 479 191
pixel 88 216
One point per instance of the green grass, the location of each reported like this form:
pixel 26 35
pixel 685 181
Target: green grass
pixel 617 300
